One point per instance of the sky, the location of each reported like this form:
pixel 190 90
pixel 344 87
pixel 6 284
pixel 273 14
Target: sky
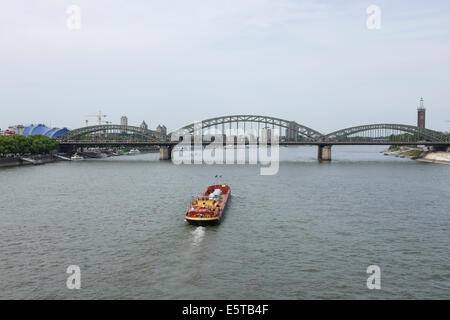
pixel 174 62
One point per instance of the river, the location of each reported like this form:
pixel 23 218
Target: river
pixel 308 232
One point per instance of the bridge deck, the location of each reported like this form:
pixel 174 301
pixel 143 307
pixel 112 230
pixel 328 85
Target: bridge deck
pixel 281 143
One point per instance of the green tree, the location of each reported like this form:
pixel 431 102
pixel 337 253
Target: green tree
pixel 22 145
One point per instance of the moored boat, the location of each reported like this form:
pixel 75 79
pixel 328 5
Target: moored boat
pixel 76 157
pixel 133 152
pixel 208 208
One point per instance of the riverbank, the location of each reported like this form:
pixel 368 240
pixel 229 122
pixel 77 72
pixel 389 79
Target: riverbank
pixel 436 157
pixel 19 161
pixel 14 161
pixel 419 154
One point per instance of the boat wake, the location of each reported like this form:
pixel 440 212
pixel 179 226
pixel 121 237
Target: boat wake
pixel 197 235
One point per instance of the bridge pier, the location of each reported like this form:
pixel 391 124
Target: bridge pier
pixel 324 152
pixel 165 152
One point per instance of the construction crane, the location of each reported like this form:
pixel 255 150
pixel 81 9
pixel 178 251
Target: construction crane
pixel 99 116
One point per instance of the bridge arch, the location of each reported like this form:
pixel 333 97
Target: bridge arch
pixel 385 132
pixel 292 130
pixel 112 130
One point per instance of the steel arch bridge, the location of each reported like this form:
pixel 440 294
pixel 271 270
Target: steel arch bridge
pixel 385 132
pixel 293 130
pixel 290 132
pixel 112 132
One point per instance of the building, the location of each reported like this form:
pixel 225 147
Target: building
pixel 43 130
pixel 17 129
pixel 421 114
pixel 292 131
pixel 124 121
pixel 6 132
pixel 161 129
pixel 266 134
pixel 143 126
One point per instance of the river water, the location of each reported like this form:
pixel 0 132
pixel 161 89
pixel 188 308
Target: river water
pixel 308 232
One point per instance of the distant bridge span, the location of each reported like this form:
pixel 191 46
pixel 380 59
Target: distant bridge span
pixel 293 128
pixel 389 131
pixel 112 130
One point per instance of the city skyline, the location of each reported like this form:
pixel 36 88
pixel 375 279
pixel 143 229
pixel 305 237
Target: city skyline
pixel 101 120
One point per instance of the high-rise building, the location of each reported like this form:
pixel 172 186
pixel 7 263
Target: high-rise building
pixel 266 134
pixel 124 121
pixel 421 114
pixel 292 131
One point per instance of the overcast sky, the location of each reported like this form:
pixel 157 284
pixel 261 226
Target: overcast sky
pixel 174 62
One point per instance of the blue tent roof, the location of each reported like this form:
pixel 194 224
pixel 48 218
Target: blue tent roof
pixel 40 129
pixel 27 130
pixel 50 132
pixel 60 132
pixel 44 130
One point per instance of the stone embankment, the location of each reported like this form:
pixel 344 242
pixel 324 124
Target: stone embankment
pixel 419 154
pixel 436 157
pixel 19 161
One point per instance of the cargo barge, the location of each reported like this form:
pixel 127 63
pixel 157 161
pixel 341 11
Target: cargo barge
pixel 208 208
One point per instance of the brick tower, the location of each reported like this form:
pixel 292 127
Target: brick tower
pixel 421 115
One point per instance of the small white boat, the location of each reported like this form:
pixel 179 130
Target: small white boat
pixel 76 157
pixel 134 151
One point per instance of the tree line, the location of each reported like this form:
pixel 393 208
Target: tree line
pixel 18 144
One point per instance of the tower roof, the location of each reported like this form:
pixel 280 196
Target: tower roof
pixel 421 106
